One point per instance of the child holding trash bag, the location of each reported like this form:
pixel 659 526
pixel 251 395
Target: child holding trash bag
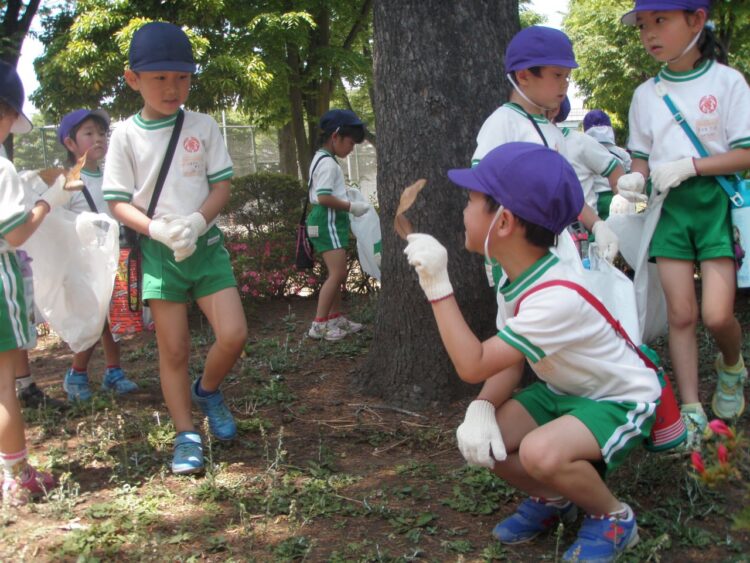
pixel 18 220
pixel 328 222
pixel 84 134
pixel 692 91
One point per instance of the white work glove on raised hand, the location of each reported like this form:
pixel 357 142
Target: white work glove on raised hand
pixel 607 243
pixel 621 206
pixel 430 260
pixel 358 208
pixel 479 437
pixel 630 186
pixel 167 230
pixel 672 174
pixel 181 254
pixel 56 195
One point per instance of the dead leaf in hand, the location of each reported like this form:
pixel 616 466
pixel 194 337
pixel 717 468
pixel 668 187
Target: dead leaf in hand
pixel 73 177
pixel 49 175
pixel 408 197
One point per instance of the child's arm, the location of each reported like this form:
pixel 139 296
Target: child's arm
pixel 607 243
pixel 475 361
pixel 22 232
pixel 356 208
pixel 672 174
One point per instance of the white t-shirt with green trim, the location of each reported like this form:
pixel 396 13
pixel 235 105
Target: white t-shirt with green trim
pixel 328 178
pixel 590 160
pixel 14 208
pixel 508 124
pixel 715 100
pixel 92 179
pixel 568 343
pixel 136 152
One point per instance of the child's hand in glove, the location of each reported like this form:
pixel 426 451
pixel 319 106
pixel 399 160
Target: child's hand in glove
pixel 479 437
pixel 430 260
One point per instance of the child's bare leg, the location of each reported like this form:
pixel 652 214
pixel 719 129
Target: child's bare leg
pixel 719 286
pixel 110 347
pixel 682 313
pixel 23 368
pixel 81 359
pixel 11 421
pixel 335 261
pixel 227 318
pixel 173 341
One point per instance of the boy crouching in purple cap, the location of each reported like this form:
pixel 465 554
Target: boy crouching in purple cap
pixel 596 398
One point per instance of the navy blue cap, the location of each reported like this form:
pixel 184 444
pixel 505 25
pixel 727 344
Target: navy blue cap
pixel 563 111
pixel 11 92
pixel 653 5
pixel 161 46
pixel 596 118
pixel 74 118
pixel 532 181
pixel 539 46
pixel 335 118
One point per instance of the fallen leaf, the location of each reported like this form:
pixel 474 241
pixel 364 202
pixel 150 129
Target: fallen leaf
pixel 408 197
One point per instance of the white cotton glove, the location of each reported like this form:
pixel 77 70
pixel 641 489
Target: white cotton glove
pixel 479 437
pixel 430 260
pixel 672 174
pixel 607 243
pixel 167 230
pixel 630 186
pixel 621 206
pixel 358 208
pixel 181 254
pixel 56 195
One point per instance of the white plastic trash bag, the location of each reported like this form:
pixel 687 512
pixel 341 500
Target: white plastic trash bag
pixel 75 261
pixel 367 230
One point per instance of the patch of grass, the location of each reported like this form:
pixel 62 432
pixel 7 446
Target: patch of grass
pixel 477 491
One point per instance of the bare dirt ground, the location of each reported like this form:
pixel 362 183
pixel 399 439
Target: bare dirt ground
pixel 318 473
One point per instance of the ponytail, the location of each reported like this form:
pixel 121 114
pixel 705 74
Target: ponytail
pixel 710 47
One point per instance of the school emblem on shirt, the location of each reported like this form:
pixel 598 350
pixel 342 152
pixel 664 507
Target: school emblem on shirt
pixel 708 104
pixel 191 144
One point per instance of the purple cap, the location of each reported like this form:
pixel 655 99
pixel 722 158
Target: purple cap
pixel 161 46
pixel 74 118
pixel 530 180
pixel 563 111
pixel 652 5
pixel 11 92
pixel 539 46
pixel 594 118
pixel 335 118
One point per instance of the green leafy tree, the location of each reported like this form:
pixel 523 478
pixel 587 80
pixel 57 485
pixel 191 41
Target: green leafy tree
pixel 613 61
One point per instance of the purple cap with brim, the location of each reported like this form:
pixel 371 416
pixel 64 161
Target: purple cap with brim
pixel 74 118
pixel 11 92
pixel 539 46
pixel 664 5
pixel 596 117
pixel 563 111
pixel 530 180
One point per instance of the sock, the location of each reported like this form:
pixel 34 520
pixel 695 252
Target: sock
pixel 79 370
pixel 13 464
pixel 695 408
pixel 625 513
pixel 115 366
pixel 24 382
pixel 200 391
pixel 557 502
pixel 320 320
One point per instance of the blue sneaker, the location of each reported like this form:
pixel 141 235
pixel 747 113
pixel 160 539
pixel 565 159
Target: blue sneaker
pixel 115 380
pixel 601 539
pixel 220 420
pixel 188 454
pixel 531 518
pixel 76 385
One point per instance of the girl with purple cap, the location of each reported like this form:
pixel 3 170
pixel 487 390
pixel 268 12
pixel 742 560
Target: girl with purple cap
pixel 694 225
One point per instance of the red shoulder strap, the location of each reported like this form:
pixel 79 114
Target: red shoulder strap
pixel 596 304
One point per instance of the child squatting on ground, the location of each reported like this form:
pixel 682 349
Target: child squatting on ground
pixel 328 221
pixel 19 218
pixel 84 132
pixel 695 222
pixel 538 62
pixel 182 251
pixel 596 399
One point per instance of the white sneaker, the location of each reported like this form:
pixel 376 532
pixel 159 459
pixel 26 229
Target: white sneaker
pixel 344 324
pixel 325 330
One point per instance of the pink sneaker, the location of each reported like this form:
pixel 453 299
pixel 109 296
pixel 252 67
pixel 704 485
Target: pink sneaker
pixel 14 494
pixel 38 483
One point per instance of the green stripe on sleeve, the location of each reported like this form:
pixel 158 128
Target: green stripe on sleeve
pixel 117 196
pixel 641 155
pixel 611 168
pixel 13 222
pixel 522 344
pixel 221 175
pixel 743 143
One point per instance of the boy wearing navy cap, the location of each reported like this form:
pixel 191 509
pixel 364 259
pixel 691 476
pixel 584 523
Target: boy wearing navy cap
pixel 538 62
pixel 596 398
pixel 182 248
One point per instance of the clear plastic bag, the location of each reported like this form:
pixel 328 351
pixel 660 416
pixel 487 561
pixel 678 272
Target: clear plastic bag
pixel 367 230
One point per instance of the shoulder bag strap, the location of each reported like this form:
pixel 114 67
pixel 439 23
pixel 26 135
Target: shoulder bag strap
pixel 535 124
pixel 596 304
pixel 164 170
pixel 724 182
pixel 309 186
pixel 89 199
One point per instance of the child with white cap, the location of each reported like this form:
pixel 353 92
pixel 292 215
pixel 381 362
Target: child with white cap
pixel 596 398
pixel 713 101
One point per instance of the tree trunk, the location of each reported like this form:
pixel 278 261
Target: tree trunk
pixel 438 74
pixel 287 151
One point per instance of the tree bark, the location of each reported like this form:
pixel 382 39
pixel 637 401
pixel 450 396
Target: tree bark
pixel 438 74
pixel 287 151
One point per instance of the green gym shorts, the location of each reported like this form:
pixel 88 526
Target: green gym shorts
pixel 695 223
pixel 617 426
pixel 14 320
pixel 327 228
pixel 206 272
